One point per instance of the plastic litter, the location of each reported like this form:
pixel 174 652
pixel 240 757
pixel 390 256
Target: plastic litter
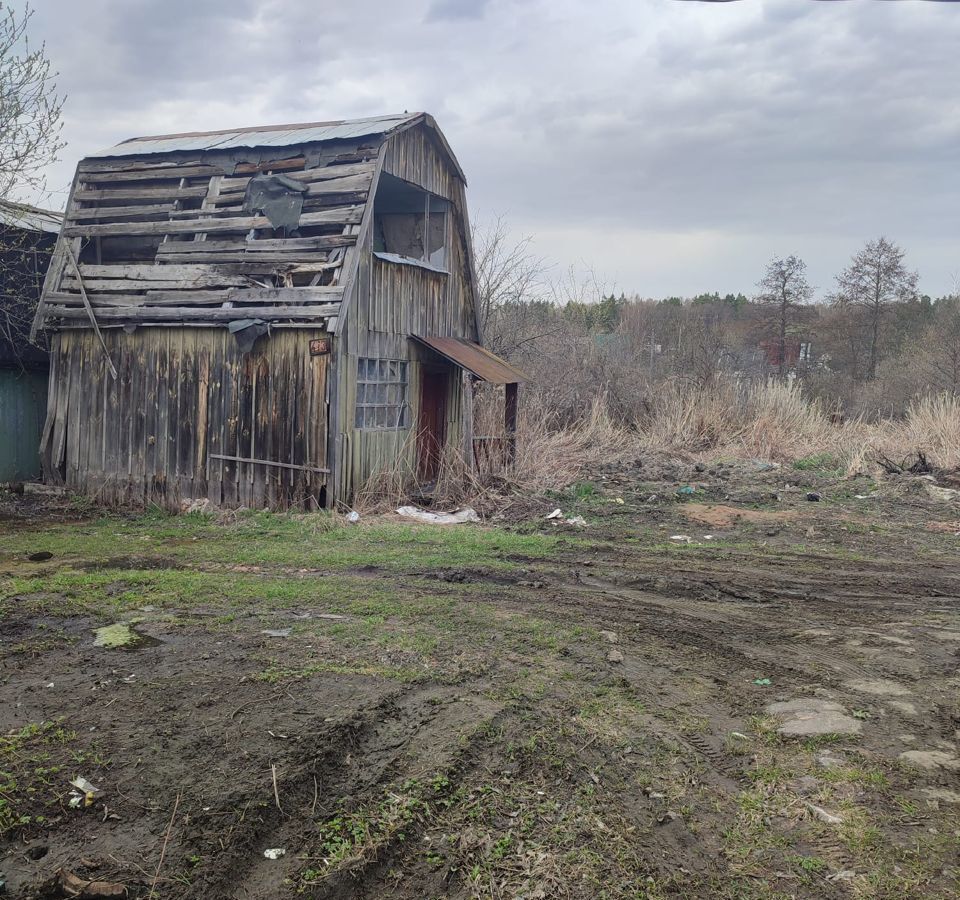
pixel 557 517
pixel 687 490
pixel 814 497
pixel 681 538
pixel 276 632
pixel 275 852
pixel 460 517
pixel 763 682
pixel 353 517
pixel 84 795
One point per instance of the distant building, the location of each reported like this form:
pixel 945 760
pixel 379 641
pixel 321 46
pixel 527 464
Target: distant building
pixel 796 353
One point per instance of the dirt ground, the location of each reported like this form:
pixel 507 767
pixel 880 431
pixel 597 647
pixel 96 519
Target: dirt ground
pixel 526 708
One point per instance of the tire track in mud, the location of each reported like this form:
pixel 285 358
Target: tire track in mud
pixel 408 734
pixel 353 758
pixel 686 621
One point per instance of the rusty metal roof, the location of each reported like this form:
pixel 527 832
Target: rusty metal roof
pixel 475 359
pixel 259 136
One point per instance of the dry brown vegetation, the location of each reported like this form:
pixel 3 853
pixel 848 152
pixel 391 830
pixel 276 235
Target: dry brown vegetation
pixel 725 421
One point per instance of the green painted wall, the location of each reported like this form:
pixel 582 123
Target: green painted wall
pixel 23 407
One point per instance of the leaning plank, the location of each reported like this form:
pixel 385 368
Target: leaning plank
pixel 156 172
pixel 143 193
pixel 269 462
pixel 337 216
pixel 178 313
pixel 88 309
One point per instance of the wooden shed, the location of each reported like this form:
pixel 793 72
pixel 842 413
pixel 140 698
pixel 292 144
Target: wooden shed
pixel 263 317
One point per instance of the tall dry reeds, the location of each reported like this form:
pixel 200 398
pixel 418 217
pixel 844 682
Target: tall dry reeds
pixel 727 420
pixel 931 426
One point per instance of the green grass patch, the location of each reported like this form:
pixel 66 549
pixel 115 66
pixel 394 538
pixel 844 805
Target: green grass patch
pixel 37 763
pixel 316 541
pixel 817 462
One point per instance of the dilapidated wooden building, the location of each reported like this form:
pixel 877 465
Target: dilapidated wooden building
pixel 263 317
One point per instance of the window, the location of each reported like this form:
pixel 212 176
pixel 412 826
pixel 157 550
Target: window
pixel 382 393
pixel 410 225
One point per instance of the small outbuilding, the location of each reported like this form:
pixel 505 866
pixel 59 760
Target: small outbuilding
pixel 264 317
pixel 27 237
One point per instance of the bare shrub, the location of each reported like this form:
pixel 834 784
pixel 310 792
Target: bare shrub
pixel 931 426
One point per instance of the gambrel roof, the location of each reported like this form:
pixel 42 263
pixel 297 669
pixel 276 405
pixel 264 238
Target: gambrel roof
pixel 167 229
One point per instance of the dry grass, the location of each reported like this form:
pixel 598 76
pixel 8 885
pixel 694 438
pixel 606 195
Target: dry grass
pixel 772 421
pixel 932 425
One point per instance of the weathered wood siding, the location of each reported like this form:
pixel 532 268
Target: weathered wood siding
pixel 181 395
pixel 391 301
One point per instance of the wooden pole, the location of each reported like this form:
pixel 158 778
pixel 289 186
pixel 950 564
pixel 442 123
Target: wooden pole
pixel 510 420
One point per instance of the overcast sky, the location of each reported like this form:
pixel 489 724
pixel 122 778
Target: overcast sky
pixel 673 147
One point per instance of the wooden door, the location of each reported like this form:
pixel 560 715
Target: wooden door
pixel 432 424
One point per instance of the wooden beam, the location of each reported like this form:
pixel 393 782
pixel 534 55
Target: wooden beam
pixel 169 272
pixel 143 193
pixel 284 295
pixel 321 173
pixel 336 216
pixel 154 173
pixel 510 420
pixel 115 212
pixel 107 285
pixel 268 462
pixel 321 242
pixel 183 313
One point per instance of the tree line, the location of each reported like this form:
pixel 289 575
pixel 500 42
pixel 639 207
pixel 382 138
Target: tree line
pixel 871 347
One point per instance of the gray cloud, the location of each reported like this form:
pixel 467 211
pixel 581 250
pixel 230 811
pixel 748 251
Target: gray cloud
pixel 675 146
pixel 456 9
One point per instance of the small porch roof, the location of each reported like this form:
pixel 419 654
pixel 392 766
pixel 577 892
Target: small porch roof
pixel 477 360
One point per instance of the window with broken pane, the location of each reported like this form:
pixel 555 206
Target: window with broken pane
pixel 381 393
pixel 410 223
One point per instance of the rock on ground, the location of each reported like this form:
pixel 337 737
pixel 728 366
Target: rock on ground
pixel 808 717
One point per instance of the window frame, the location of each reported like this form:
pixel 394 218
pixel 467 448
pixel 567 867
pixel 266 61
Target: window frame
pixel 434 206
pixel 396 412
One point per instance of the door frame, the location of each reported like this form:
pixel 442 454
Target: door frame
pixel 432 409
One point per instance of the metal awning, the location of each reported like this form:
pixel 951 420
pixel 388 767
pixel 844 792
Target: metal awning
pixel 475 359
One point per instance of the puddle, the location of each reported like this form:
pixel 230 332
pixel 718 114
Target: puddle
pixel 122 637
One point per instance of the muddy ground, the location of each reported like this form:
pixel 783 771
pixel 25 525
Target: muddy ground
pixel 525 709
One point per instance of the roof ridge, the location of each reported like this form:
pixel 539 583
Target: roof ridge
pixel 256 129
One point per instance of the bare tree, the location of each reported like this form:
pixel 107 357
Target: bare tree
pixel 875 279
pixel 30 107
pixel 938 352
pixel 30 127
pixel 783 290
pixel 511 289
pixel 507 270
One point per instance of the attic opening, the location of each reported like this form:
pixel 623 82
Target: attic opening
pixel 410 225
